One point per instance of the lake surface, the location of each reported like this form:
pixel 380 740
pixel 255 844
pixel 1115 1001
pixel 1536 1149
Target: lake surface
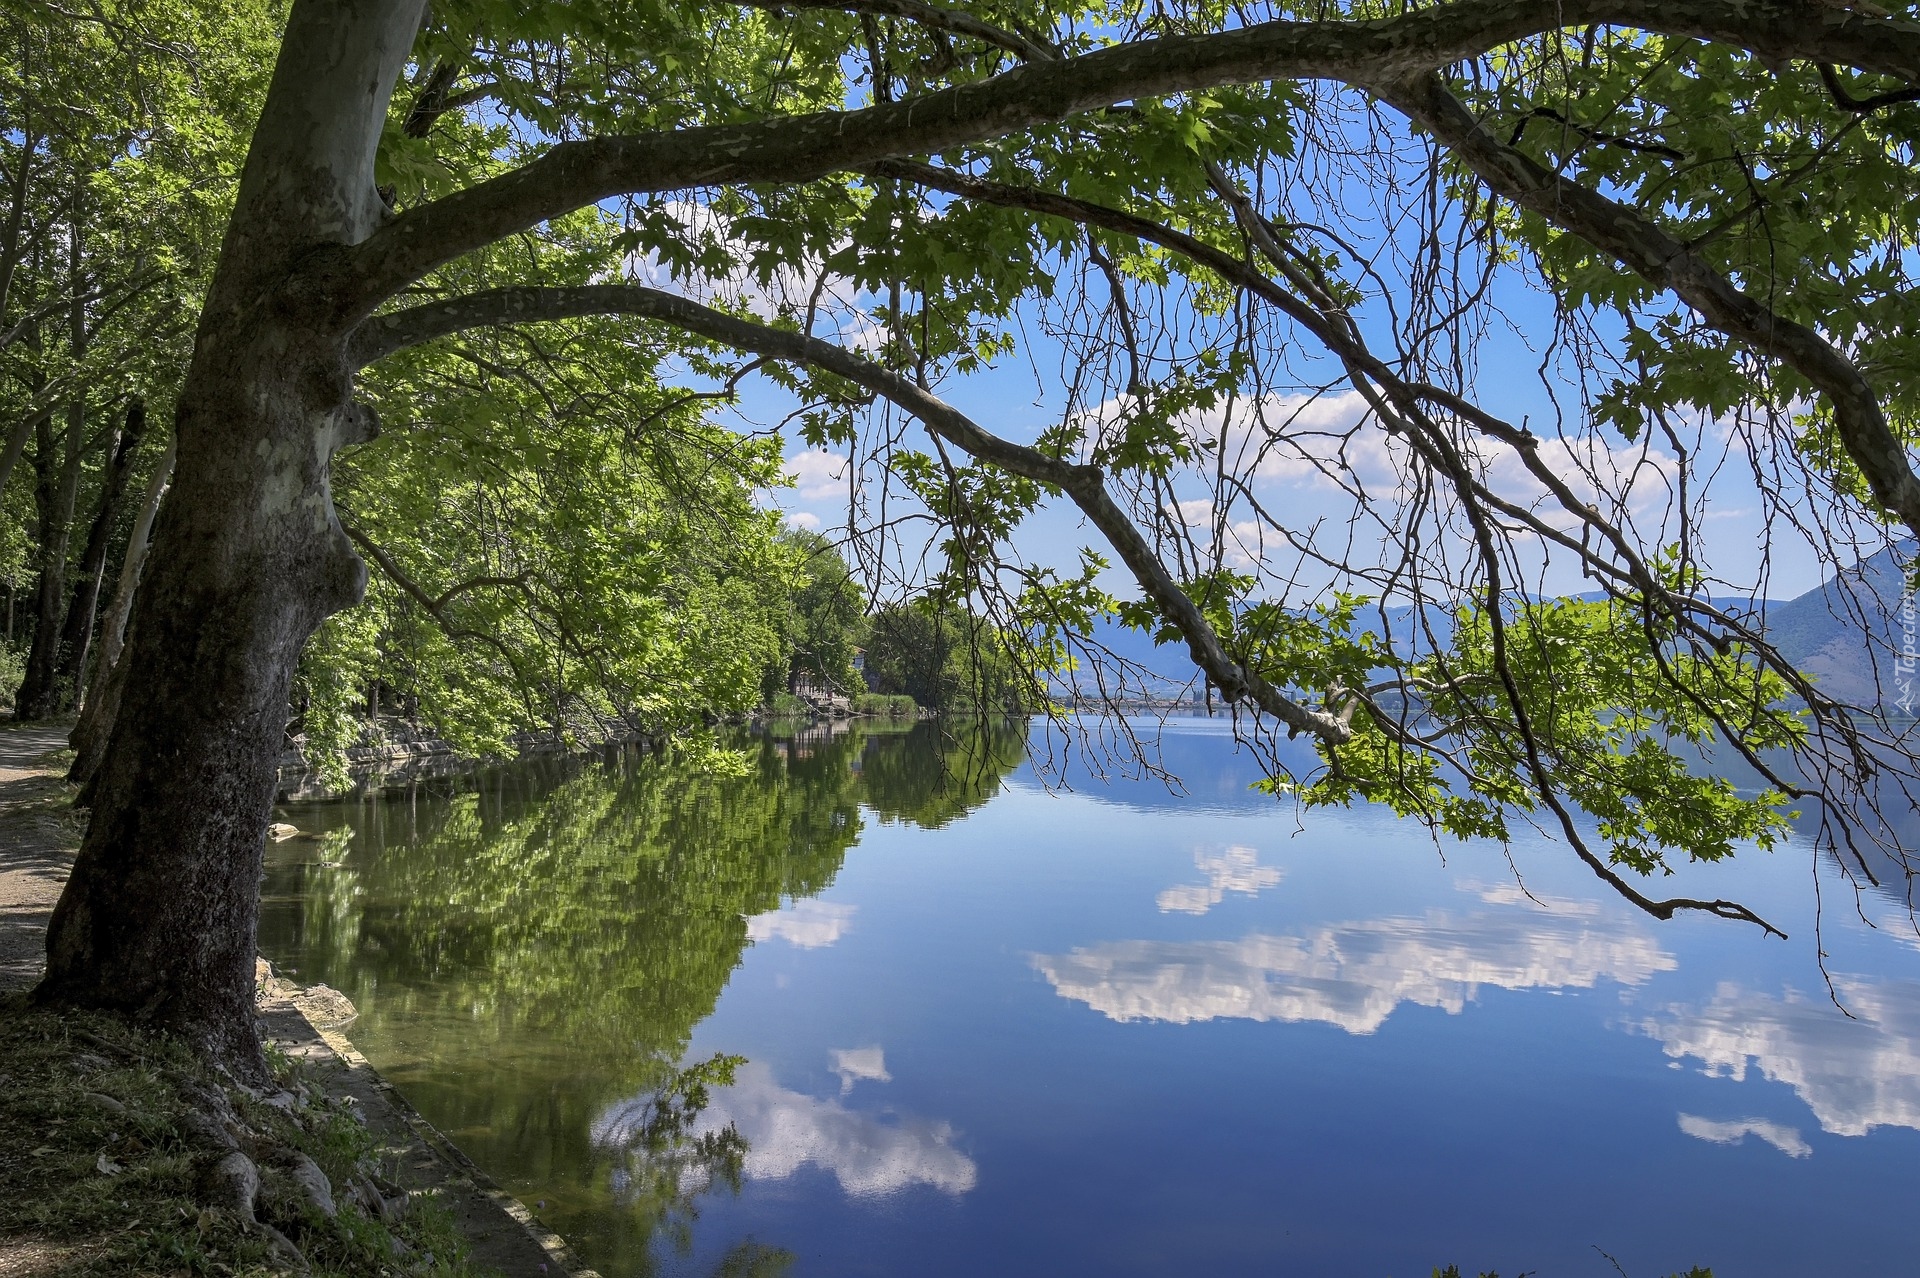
pixel 977 1025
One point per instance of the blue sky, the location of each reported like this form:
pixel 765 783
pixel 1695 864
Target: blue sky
pixel 1733 486
pixel 1019 397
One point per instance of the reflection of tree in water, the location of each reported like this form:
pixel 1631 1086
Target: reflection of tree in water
pixel 944 770
pixel 528 952
pixel 663 1161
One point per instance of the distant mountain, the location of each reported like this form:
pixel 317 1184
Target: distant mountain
pixel 1846 632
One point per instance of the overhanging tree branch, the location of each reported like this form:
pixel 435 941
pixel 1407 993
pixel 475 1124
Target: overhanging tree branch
pixel 803 147
pixel 1637 243
pixel 1085 485
pixel 955 21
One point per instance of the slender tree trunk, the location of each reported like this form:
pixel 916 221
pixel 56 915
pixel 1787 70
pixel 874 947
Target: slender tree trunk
pixel 77 634
pixel 40 694
pixel 59 485
pixel 159 916
pixel 89 739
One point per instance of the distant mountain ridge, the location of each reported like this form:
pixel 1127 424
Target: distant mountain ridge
pixel 1848 633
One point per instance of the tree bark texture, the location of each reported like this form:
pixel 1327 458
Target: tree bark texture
pixel 16 444
pixel 159 917
pixel 77 634
pixel 97 712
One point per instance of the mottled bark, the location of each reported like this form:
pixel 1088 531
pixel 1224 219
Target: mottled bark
pixel 159 917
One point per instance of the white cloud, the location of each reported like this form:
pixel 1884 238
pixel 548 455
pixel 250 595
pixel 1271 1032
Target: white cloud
pixel 1243 541
pixel 1508 892
pixel 1734 1130
pixel 809 924
pixel 1316 447
pixel 1855 1073
pixel 818 473
pixel 785 1130
pixel 803 519
pixel 1235 869
pixel 859 1065
pixel 1352 975
pixel 1641 481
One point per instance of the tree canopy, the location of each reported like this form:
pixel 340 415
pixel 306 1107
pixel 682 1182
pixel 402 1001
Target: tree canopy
pixel 1275 241
pixel 1234 245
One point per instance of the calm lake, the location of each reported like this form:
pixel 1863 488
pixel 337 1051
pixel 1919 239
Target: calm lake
pixel 985 1026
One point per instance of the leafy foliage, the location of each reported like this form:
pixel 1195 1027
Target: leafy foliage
pixel 945 659
pixel 826 620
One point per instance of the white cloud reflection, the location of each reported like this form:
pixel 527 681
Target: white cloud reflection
pixel 809 924
pixel 1733 1131
pixel 870 1157
pixel 1234 869
pixel 1352 975
pixel 1854 1074
pixel 859 1065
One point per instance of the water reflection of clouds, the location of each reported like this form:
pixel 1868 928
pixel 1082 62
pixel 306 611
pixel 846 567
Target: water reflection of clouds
pixel 809 924
pixel 860 1065
pixel 1855 1074
pixel 1733 1131
pixel 1232 869
pixel 785 1130
pixel 1352 975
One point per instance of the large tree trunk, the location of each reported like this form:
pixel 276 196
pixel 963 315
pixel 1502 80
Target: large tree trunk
pixel 159 916
pixel 76 635
pixel 89 738
pixel 59 485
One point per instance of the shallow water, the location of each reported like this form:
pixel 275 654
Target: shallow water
pixel 988 1027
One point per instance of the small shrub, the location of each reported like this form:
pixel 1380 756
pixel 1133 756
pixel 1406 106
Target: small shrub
pixel 13 668
pixel 787 706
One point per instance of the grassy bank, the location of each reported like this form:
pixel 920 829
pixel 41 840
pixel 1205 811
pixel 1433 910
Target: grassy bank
pixel 120 1155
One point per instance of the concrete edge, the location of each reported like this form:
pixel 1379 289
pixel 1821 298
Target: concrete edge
pixel 551 1243
pixel 285 1020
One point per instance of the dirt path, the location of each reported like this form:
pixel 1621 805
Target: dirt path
pixel 37 839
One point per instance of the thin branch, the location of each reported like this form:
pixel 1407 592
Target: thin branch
pixel 1085 485
pixel 1634 240
pixel 933 17
pixel 1864 106
pixel 435 607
